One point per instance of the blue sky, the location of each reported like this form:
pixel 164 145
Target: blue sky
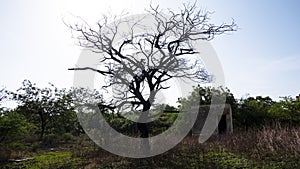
pixel 261 58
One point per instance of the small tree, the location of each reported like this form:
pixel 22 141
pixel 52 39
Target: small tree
pixel 285 111
pixel 41 104
pixel 144 62
pixel 253 112
pixel 203 96
pixel 13 127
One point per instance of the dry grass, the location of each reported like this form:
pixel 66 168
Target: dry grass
pixel 257 147
pixel 279 146
pixel 258 144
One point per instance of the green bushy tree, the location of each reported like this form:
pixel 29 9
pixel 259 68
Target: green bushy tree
pixel 253 112
pixel 14 126
pixel 48 107
pixel 286 111
pixel 204 96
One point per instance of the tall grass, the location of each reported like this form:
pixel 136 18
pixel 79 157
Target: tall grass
pixel 270 147
pixel 277 147
pixel 262 142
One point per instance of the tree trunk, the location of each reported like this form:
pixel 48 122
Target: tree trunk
pixel 43 126
pixel 143 128
pixel 42 130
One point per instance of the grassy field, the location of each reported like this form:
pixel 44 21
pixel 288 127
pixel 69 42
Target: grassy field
pixel 267 148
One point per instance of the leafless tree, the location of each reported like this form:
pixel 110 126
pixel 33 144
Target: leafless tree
pixel 2 94
pixel 139 66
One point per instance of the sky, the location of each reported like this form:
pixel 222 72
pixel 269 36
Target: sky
pixel 261 58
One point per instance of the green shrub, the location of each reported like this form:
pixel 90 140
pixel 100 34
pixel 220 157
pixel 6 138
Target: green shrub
pixel 67 137
pixel 51 140
pixel 18 146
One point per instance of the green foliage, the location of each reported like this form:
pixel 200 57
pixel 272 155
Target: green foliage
pixel 48 160
pixel 14 130
pixel 129 127
pixel 203 96
pixel 162 123
pixel 286 111
pixel 224 159
pixel 14 127
pixel 67 137
pixel 66 122
pixel 169 108
pixel 51 140
pixel 49 108
pixel 261 111
pixel 253 112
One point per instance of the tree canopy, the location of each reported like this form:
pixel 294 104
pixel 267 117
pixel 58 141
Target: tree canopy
pixel 42 104
pixel 145 61
pixel 139 66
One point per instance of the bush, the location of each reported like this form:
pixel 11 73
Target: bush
pixel 35 146
pixel 5 153
pixel 51 140
pixel 67 137
pixel 14 127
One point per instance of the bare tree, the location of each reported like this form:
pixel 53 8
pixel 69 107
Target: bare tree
pixel 2 98
pixel 139 66
pixel 2 94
